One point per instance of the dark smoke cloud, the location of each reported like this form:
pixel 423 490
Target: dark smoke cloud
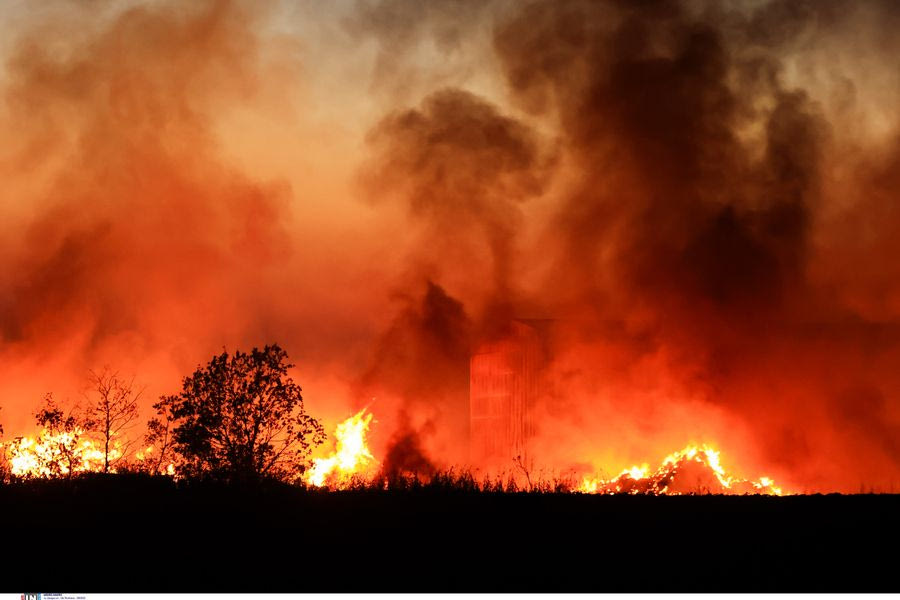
pixel 687 247
pixel 421 363
pixel 707 233
pixel 702 196
pixel 463 169
pixel 405 455
pixel 671 197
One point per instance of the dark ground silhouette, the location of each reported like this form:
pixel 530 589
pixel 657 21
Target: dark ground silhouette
pixel 139 533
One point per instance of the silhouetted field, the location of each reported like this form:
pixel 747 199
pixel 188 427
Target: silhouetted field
pixel 138 533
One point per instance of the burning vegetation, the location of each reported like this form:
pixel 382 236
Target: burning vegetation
pixel 350 459
pixel 68 445
pixel 696 469
pixel 598 231
pixel 62 454
pixel 620 274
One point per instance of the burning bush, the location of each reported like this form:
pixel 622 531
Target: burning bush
pixel 62 448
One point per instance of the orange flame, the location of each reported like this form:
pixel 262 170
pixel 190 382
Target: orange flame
pixel 51 455
pixel 691 470
pixel 142 456
pixel 350 457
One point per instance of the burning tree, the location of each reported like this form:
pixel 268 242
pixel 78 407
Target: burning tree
pixel 113 413
pixel 60 450
pixel 158 457
pixel 62 434
pixel 75 439
pixel 240 418
pixel 4 468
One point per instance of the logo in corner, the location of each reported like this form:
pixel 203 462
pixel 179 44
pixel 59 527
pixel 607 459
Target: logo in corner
pixel 31 597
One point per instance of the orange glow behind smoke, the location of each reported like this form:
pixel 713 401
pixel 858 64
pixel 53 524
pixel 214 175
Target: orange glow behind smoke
pixel 695 469
pixel 699 211
pixel 350 457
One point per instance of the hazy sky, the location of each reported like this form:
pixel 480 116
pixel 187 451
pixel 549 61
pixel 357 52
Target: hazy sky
pixel 702 195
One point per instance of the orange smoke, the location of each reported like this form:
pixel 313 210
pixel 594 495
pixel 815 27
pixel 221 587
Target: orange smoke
pixel 700 203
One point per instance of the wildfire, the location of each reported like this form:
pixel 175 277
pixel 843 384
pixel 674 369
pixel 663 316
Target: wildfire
pixel 691 470
pixel 53 455
pixel 146 455
pixel 695 469
pixel 350 457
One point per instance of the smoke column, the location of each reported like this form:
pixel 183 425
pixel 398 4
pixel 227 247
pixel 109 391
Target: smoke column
pixel 701 197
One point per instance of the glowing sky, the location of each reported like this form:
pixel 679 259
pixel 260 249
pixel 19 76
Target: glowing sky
pixel 704 197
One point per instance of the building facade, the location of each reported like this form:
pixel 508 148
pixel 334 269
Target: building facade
pixel 506 383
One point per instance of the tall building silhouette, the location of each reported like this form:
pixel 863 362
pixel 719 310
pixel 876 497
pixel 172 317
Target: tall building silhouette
pixel 507 380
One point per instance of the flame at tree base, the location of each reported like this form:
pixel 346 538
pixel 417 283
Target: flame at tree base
pixel 350 457
pixel 693 470
pixel 696 469
pixel 58 455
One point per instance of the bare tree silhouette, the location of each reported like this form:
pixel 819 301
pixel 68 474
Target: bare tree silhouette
pixel 159 437
pixel 114 411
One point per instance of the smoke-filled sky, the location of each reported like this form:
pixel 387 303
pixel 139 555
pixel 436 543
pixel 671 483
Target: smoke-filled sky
pixel 704 197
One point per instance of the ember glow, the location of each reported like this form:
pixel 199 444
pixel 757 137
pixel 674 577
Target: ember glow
pixel 693 470
pixel 351 456
pixel 147 456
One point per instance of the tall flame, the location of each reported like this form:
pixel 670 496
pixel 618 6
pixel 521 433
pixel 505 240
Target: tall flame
pixel 350 457
pixel 691 470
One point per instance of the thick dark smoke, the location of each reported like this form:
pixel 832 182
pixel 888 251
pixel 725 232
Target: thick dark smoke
pixel 703 197
pixel 421 364
pixel 673 216
pixel 688 249
pixel 706 232
pixel 405 455
pixel 463 168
